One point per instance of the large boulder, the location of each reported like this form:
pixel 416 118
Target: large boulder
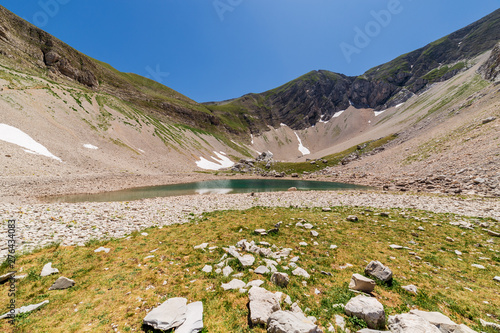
pixel 280 279
pixel 368 309
pixel 407 322
pixel 262 304
pixel 170 314
pixel 379 271
pixel 361 283
pixel 290 322
pixel 194 319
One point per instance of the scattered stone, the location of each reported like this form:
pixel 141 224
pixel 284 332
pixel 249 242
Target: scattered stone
pixel 207 269
pixel 262 304
pixel 340 322
pixel 395 247
pixel 301 272
pixel 384 214
pixel 352 218
pixel 48 270
pixel 262 270
pixel 62 283
pixel 333 247
pixel 361 283
pixel 201 246
pixel 379 271
pixel 314 233
pixel 227 271
pixel 410 288
pixel 254 283
pixel 326 273
pixel 407 322
pixel 102 249
pixel 292 189
pixel 421 228
pixel 326 209
pixel 492 233
pixel 247 260
pixel 24 309
pixel 144 234
pixel 288 321
pixel 368 309
pixel 234 284
pixel 194 319
pixel 458 253
pixel 303 244
pixel 478 266
pixel 443 323
pixel 347 265
pixel 488 324
pixel 280 279
pixel 497 278
pixel 488 120
pixel 308 226
pixel 170 314
pixel 260 231
pixel 7 276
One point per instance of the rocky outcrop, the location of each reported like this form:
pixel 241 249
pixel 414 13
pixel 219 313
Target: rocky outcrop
pixel 490 70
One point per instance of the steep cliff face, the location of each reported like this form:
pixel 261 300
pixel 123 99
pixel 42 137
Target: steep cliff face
pixel 317 95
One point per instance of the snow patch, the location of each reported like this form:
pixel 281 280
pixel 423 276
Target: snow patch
pixel 283 125
pixel 89 146
pixel 221 162
pixel 16 136
pixel 378 113
pixel 302 149
pixel 337 114
pixel 251 137
pixel 399 105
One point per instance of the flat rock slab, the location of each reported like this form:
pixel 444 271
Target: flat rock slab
pixel 262 304
pixel 194 319
pixel 361 283
pixel 207 269
pixel 379 271
pixel 301 272
pixel 369 330
pixel 25 309
pixel 48 270
pixel 287 322
pixel 247 260
pixel 368 309
pixel 62 283
pixel 408 322
pixel 254 283
pixel 102 249
pixel 7 276
pixel 170 314
pixel 234 284
pixel 261 270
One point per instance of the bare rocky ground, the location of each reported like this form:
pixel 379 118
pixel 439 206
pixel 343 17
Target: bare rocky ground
pixel 75 224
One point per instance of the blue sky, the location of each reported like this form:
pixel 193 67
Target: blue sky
pixel 220 49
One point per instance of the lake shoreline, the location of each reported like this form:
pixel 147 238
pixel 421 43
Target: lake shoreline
pixel 38 225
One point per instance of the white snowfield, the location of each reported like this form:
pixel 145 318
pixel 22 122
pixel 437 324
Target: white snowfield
pixel 89 146
pixel 16 136
pixel 221 162
pixel 337 114
pixel 302 149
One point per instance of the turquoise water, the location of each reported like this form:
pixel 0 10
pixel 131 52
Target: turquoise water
pixel 206 187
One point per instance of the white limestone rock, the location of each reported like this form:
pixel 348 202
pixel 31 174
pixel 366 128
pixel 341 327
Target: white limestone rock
pixel 170 314
pixel 368 309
